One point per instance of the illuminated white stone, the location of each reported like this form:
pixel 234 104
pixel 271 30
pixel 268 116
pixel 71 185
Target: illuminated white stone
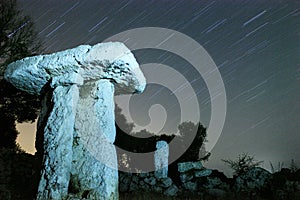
pixel 76 124
pixel 161 158
pixel 112 60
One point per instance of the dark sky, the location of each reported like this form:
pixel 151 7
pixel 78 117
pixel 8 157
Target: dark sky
pixel 255 45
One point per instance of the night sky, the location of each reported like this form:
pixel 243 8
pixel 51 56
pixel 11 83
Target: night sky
pixel 255 45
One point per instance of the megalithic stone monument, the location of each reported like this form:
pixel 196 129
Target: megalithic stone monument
pixel 76 124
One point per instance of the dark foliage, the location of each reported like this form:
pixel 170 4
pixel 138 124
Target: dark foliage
pixel 194 151
pixel 17 36
pixel 18 40
pixel 18 175
pixel 140 142
pixel 143 142
pixel 242 164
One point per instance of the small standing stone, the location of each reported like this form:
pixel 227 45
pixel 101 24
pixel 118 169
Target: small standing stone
pixel 161 157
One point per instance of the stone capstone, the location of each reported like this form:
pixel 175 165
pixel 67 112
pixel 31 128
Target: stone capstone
pixel 112 61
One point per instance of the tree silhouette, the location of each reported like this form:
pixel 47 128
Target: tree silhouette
pixel 17 40
pixel 242 164
pixel 144 141
pixel 195 151
pixel 137 142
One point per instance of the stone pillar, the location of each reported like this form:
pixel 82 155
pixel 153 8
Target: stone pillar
pixel 56 122
pixel 94 156
pixel 161 157
pixel 58 142
pixel 76 125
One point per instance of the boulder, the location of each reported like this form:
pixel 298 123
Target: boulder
pixel 171 191
pixel 191 186
pixel 212 182
pixel 166 182
pixel 185 177
pixel 150 180
pixel 186 166
pixel 203 173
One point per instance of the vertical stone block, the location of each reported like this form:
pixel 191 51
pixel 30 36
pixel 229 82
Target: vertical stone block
pixel 161 158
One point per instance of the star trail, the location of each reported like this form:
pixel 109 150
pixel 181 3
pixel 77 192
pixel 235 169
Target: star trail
pixel 255 44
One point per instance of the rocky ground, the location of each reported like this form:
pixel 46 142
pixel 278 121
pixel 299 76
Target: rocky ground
pixel 197 182
pixel 18 177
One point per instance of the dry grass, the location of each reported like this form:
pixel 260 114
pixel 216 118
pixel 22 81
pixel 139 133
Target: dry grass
pixel 144 195
pixel 156 196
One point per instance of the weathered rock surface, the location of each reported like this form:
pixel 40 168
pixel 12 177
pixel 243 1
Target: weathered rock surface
pixel 76 125
pixel 161 158
pixel 191 186
pixel 57 161
pixel 197 179
pixel 186 166
pixel 203 173
pixel 148 182
pixel 166 182
pixel 185 177
pixel 112 60
pixel 171 191
pixel 94 157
